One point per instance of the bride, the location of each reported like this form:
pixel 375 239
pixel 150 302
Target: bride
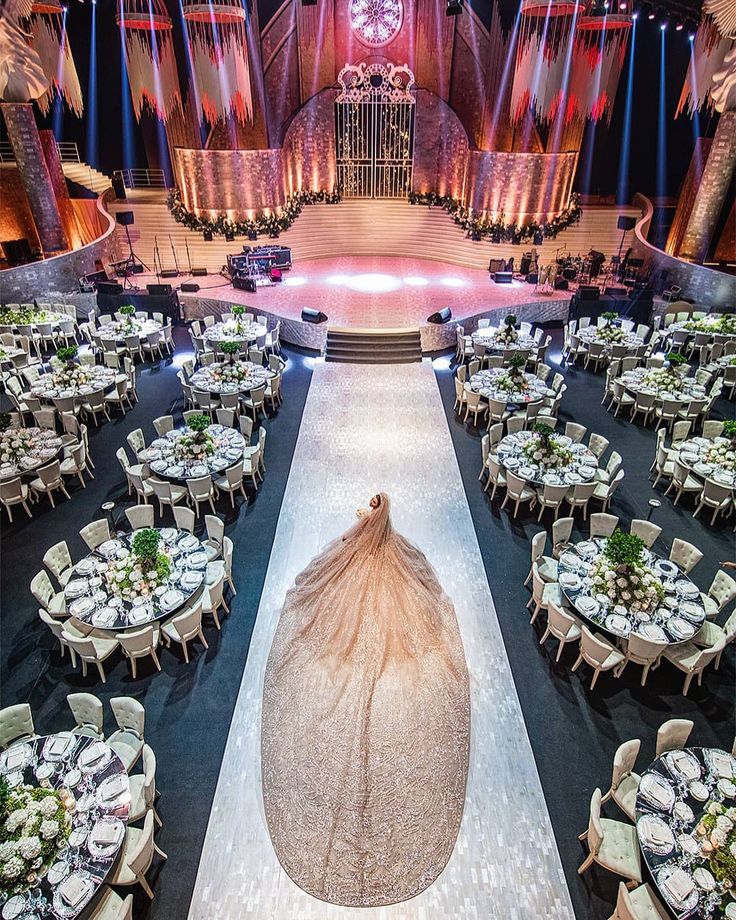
pixel 366 721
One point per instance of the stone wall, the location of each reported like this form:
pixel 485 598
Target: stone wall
pixel 42 280
pixel 706 287
pixel 521 186
pixel 239 183
pixel 16 219
pixel 309 146
pixel 440 147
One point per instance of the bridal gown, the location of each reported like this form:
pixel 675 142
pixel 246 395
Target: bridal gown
pixel 366 721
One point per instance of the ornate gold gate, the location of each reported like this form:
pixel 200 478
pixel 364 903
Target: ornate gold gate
pixel 374 131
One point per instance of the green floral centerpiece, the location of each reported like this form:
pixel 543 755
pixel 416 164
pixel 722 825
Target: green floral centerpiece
pixel 143 570
pixel 621 574
pixel 717 831
pixel 543 449
pixel 666 379
pixel 14 442
pixel 128 324
pixel 22 316
pixel 231 371
pixel 71 374
pixel 127 310
pixel 608 332
pixel 34 827
pixel 723 452
pixel 724 324
pixel 236 326
pixel 513 380
pixel 199 444
pixel 508 335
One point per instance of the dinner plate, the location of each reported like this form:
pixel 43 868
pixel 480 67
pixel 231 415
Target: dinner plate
pixel 699 791
pixel 171 598
pixel 657 790
pixel 569 580
pixel 655 834
pixel 587 605
pixel 105 617
pixel 158 466
pixel 573 477
pixel 665 567
pixel 618 624
pixel 109 548
pixel 727 787
pixel 681 628
pixel 14 907
pixel 527 472
pixel 82 607
pixel 687 588
pixel 191 580
pixel 651 631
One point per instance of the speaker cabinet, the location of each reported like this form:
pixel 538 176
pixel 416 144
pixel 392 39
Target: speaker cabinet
pixel 441 316
pixel 108 287
pixel 125 218
pixel 313 316
pixel 170 273
pixel 625 223
pixel 503 277
pixel 189 287
pixel 245 284
pixel 159 289
pixel 589 292
pixel 199 272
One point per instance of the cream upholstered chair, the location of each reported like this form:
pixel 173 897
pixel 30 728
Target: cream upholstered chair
pixel 252 464
pixel 140 643
pixel 624 781
pixel 56 628
pixel 496 476
pixel 136 441
pixel 184 628
pixel 110 906
pixel 612 844
pixel 215 535
pixel 88 714
pixel 231 482
pixel 76 463
pixel 561 535
pixel 562 625
pixel 136 856
pixel 575 432
pixel 128 740
pixel 163 423
pixel 602 525
pixel 167 493
pixel 143 790
pixel 254 401
pixel 641 651
pixel 58 561
pixel 213 597
pixel 646 531
pixel 712 428
pixel 598 653
pixel 50 600
pixel 620 398
pixel 611 468
pixel 640 904
pixel 226 417
pixel 140 516
pixel 227 557
pixel 579 496
pixel 550 496
pixel 598 445
pixel 515 423
pixel 685 554
pixel 14 492
pixel 692 661
pixel 95 532
pixel 682 481
pixel 185 518
pixel 245 423
pixel 91 649
pixel 546 566
pixel 48 481
pixel 721 592
pixel 16 724
pixel 143 488
pixel 715 496
pixel 604 492
pixel 709 633
pixel 543 593
pixel 201 489
pixel 518 491
pixel 673 735
pixel 127 467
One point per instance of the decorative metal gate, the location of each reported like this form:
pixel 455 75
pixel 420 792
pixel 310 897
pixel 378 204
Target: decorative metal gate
pixel 374 131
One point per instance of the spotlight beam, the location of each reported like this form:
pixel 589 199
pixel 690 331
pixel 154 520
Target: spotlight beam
pixel 622 192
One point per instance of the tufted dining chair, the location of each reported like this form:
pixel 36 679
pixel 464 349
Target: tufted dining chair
pixel 16 724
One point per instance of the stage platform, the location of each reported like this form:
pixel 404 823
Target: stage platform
pixel 376 292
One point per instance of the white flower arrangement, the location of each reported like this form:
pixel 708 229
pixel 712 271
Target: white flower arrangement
pixel 34 826
pixel 195 446
pixel 663 380
pixel 543 449
pixel 511 383
pixel 228 373
pixel 71 376
pixel 722 454
pixel 507 336
pixel 14 444
pixel 619 573
pixel 233 327
pixel 611 334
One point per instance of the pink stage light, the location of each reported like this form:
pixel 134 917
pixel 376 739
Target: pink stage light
pixel 373 283
pixel 452 282
pixel 416 281
pixel 294 282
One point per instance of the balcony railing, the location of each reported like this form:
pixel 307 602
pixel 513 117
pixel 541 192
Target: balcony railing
pixel 142 178
pixel 68 152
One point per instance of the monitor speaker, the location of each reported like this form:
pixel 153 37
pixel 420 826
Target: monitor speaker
pixel 161 290
pixel 313 316
pixel 561 284
pixel 616 292
pixel 170 273
pixel 189 287
pixel 229 236
pixel 589 292
pixel 207 234
pixel 532 278
pixel 108 287
pixel 245 284
pixel 503 277
pixel 441 316
pixel 118 185
pixel 199 272
pixel 125 218
pixel 625 223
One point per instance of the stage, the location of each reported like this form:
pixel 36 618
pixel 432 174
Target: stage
pixel 376 292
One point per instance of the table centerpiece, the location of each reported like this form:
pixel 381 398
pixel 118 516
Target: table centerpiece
pixel 508 335
pixel 610 333
pixel 71 373
pixel 543 449
pixel 142 570
pixel 196 443
pixel 723 452
pixel 621 574
pixel 14 442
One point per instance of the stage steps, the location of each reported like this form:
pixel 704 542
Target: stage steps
pixel 359 228
pixel 373 346
pixel 86 176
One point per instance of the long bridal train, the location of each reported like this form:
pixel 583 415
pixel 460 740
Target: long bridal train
pixel 366 721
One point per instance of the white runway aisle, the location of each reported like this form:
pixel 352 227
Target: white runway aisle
pixel 367 428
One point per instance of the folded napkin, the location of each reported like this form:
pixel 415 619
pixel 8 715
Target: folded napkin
pixel 105 834
pixel 92 754
pixel 679 885
pixel 60 745
pixel 74 890
pixel 656 789
pixel 15 757
pixel 684 765
pixel 722 764
pixel 113 787
pixel 656 833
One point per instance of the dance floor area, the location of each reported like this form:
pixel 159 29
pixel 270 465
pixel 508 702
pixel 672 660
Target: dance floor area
pixel 379 291
pixel 356 439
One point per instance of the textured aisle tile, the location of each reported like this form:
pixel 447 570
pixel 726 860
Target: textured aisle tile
pixel 367 429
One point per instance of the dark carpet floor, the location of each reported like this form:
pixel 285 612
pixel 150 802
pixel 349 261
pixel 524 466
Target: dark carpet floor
pixel 574 733
pixel 188 708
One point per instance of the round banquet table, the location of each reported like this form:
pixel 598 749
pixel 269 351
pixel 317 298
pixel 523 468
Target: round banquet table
pixel 120 329
pixel 7 354
pixel 210 378
pixel 96 778
pixel 90 600
pixel 582 468
pixel 233 331
pixel 694 453
pixel 677 620
pixel 591 335
pixel 159 455
pixel 44 446
pixel 663 387
pixel 493 343
pixel 674 795
pixel 497 384
pixel 48 388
